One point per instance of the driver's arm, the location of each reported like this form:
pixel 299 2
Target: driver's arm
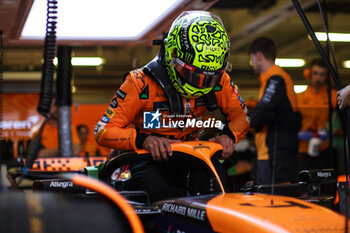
pixel 114 130
pixel 233 107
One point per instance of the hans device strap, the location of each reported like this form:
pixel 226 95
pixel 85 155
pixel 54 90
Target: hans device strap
pixel 156 70
pixel 210 100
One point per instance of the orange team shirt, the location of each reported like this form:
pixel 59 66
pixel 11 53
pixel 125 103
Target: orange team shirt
pixel 313 107
pixel 49 137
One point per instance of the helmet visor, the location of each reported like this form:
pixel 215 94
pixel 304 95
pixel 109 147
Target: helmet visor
pixel 195 77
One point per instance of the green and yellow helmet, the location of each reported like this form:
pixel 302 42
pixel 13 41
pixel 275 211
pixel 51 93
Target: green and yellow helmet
pixel 196 51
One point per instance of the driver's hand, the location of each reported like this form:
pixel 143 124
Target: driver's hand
pixel 159 147
pixel 226 143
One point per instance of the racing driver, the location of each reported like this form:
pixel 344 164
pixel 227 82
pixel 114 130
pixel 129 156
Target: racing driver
pixel 186 79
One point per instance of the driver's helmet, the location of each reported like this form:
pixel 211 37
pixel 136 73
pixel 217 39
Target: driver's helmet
pixel 196 51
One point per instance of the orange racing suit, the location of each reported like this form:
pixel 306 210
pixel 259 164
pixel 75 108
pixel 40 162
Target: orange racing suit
pixel 121 127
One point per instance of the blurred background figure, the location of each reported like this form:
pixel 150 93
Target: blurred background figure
pixel 343 101
pixel 313 105
pixel 274 118
pixel 88 148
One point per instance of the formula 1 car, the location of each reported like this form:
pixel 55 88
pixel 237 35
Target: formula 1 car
pixel 215 210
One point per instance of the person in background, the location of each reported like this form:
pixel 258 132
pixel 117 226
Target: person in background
pixel 275 117
pixel 89 149
pixel 343 100
pixel 313 105
pixel 49 137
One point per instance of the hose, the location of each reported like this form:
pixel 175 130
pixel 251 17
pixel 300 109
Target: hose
pixel 46 79
pixel 46 87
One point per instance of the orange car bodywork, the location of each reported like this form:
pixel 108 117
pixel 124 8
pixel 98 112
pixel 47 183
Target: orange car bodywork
pixel 226 212
pixel 199 149
pixel 238 212
pixel 254 212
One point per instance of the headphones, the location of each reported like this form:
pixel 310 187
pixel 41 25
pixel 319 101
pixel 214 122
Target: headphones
pixel 307 73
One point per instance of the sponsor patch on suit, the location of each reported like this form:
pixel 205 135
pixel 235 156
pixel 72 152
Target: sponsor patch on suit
pixel 114 103
pixel 121 94
pixel 161 106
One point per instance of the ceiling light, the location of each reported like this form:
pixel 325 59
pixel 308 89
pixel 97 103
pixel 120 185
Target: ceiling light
pixel 346 64
pixel 334 37
pixel 290 62
pixel 98 20
pixel 87 61
pixel 84 61
pixel 299 88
